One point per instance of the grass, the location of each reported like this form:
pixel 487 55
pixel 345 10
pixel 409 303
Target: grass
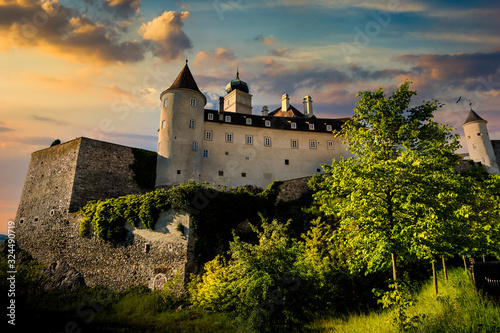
pixel 458 308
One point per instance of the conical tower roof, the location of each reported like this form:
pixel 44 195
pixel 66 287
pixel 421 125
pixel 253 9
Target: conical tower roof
pixel 473 116
pixel 185 80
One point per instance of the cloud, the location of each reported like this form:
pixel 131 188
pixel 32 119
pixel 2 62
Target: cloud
pixel 123 8
pixel 56 29
pixel 5 129
pixel 167 39
pixel 219 57
pixel 49 120
pixel 279 52
pixel 271 40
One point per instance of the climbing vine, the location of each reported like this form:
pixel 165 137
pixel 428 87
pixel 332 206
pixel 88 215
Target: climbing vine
pixel 214 212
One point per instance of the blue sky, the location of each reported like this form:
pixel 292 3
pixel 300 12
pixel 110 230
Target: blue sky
pixel 95 68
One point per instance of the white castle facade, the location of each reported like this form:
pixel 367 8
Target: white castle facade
pixel 234 147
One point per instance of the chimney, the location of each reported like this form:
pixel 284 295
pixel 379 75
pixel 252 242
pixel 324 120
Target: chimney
pixel 285 102
pixel 308 106
pixel 265 110
pixel 221 107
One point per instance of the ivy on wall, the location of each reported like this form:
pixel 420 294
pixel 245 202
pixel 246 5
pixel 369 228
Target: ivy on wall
pixel 214 212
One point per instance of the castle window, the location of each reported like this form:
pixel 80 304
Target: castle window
pixel 318 170
pixel 36 219
pixel 221 173
pixel 208 135
pixel 163 123
pixel 165 102
pixel 294 143
pixel 192 102
pixel 311 127
pixel 243 100
pixel 247 158
pixel 243 174
pixel 249 139
pixel 293 125
pixel 21 221
pixel 268 123
pixel 329 128
pixel 205 153
pixel 267 141
pixel 178 172
pixel 329 144
pixel 229 137
pixel 195 146
pixel 249 121
pixel 210 116
pixel 287 162
pixel 191 123
pixel 228 119
pixel 479 134
pixel 312 144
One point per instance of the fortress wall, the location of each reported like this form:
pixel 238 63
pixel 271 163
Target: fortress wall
pixel 496 149
pixel 103 171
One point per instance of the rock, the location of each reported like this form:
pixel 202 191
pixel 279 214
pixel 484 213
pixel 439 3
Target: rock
pixel 63 277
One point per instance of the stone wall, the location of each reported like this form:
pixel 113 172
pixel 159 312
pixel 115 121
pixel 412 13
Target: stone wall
pixel 293 189
pixel 103 171
pixel 496 149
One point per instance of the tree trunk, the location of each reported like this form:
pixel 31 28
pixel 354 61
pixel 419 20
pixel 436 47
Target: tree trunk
pixel 444 268
pixel 394 271
pixel 484 258
pixel 434 277
pixel 465 263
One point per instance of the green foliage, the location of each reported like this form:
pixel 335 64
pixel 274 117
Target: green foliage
pixel 55 142
pixel 144 168
pixel 393 198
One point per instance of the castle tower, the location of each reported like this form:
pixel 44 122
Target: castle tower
pixel 479 143
pixel 181 131
pixel 238 98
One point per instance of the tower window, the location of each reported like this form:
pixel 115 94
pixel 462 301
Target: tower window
pixel 267 141
pixel 195 145
pixel 474 146
pixel 268 123
pixel 165 102
pixel 329 144
pixel 294 143
pixel 311 127
pixel 312 144
pixel 329 128
pixel 249 121
pixel 178 172
pixel 191 123
pixel 249 139
pixel 287 162
pixel 210 116
pixel 228 119
pixel 205 153
pixel 479 134
pixel 208 135
pixel 229 137
pixel 163 124
pixel 192 102
pixel 293 125
pixel 221 173
pixel 247 158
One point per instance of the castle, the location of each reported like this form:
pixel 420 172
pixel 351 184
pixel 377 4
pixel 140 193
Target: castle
pixel 234 147
pixel 229 146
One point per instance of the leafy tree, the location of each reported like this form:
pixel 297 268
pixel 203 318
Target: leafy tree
pixel 400 153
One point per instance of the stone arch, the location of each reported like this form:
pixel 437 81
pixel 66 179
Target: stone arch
pixel 161 275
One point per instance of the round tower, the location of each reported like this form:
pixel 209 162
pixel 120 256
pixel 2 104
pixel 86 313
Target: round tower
pixel 479 143
pixel 180 135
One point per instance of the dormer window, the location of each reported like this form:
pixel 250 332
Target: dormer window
pixel 228 119
pixel 249 121
pixel 210 116
pixel 329 128
pixel 192 102
pixel 293 125
pixel 311 127
pixel 268 123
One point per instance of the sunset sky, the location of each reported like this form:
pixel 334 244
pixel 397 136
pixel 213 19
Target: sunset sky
pixel 96 68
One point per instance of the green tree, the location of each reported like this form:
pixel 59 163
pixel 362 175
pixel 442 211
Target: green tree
pixel 399 150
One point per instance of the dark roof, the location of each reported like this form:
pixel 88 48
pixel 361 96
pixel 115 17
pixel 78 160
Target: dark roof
pixel 302 123
pixel 473 116
pixel 237 84
pixel 291 112
pixel 185 80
